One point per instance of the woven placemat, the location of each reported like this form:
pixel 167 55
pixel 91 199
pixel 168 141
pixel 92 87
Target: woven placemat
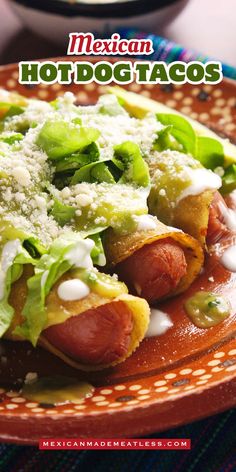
pixel 213 450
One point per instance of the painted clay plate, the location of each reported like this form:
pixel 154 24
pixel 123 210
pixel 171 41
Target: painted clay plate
pixel 183 375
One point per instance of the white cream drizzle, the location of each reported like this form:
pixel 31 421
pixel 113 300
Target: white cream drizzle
pixel 174 230
pixel 201 180
pixel 72 290
pixel 228 259
pixel 9 252
pixel 160 322
pixel 79 256
pixel 101 260
pixel 229 216
pixel 44 278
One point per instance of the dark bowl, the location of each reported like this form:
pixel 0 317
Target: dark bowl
pixel 98 9
pixel 55 19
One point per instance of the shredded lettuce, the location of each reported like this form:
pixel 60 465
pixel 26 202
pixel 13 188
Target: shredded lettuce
pixel 135 169
pixel 76 161
pixel 181 130
pixel 165 140
pixel 62 213
pixel 34 247
pixel 77 121
pixel 60 138
pixel 109 105
pixel 97 253
pixel 12 139
pixel 8 277
pixel 101 173
pixel 229 179
pixel 94 172
pixel 207 150
pixel 9 109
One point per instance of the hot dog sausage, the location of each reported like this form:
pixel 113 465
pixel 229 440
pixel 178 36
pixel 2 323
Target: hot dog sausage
pixel 98 336
pixel 154 270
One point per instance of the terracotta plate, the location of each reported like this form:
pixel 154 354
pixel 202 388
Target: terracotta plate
pixel 181 376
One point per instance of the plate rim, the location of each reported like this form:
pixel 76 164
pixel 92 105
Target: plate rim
pixel 147 426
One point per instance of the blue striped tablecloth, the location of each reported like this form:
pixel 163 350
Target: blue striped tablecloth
pixel 213 450
pixel 169 51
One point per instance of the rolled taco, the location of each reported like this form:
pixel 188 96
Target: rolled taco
pixel 133 239
pixel 96 331
pixel 179 196
pixel 155 263
pixel 182 192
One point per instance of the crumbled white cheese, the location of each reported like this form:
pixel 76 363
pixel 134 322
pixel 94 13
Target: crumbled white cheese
pixel 40 202
pixel 83 200
pixel 118 129
pixel 24 204
pixel 67 99
pixel 26 170
pixel 104 203
pixel 20 197
pixel 65 193
pixel 21 175
pixel 146 222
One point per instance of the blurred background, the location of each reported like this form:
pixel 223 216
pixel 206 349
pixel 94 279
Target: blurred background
pixel 38 28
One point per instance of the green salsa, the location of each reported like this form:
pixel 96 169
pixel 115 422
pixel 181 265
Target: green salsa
pixel 170 171
pixel 206 309
pixel 57 390
pixel 102 284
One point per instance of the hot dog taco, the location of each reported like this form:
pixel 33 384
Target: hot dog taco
pixel 189 165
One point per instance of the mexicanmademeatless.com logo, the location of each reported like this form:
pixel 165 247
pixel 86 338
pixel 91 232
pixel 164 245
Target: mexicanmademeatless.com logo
pixel 117 444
